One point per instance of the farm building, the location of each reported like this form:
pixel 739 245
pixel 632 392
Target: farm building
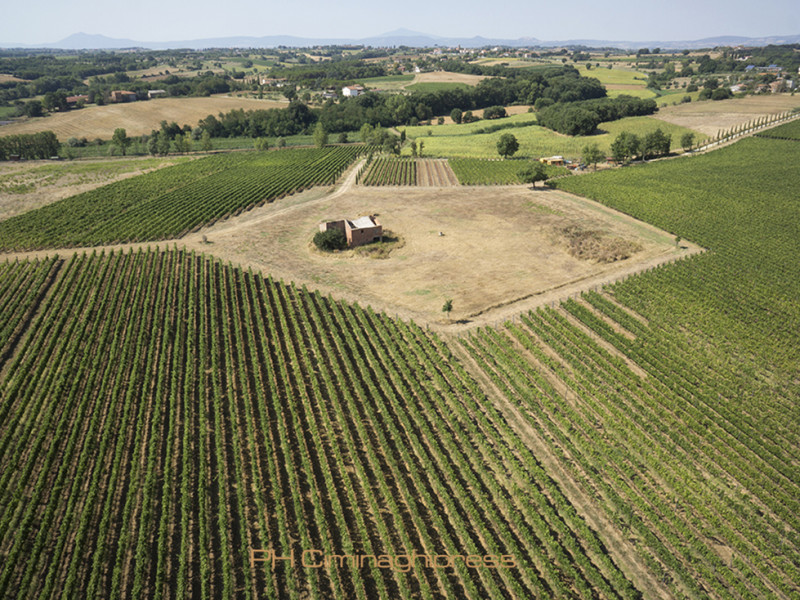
pixel 123 96
pixel 73 100
pixel 553 160
pixel 358 232
pixel 156 93
pixel 352 90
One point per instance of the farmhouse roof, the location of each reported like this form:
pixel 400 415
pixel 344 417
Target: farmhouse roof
pixel 362 223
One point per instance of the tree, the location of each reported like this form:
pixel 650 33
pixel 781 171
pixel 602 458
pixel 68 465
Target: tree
pixel 183 143
pixel 420 146
pixel 205 142
pixel 625 147
pixel 533 173
pixel 413 146
pixel 687 141
pixel 163 143
pixel 261 144
pixel 507 145
pixel 320 135
pixel 121 140
pixel 448 307
pixel 330 240
pixel 456 115
pixel 591 155
pixel 342 139
pixel 280 142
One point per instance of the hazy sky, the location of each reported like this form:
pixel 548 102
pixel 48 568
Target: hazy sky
pixel 44 21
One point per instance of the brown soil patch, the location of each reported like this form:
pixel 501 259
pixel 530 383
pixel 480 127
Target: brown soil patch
pixel 137 118
pixel 712 116
pixel 5 77
pixel 432 172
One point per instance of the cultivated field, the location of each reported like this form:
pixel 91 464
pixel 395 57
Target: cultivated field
pixel 30 185
pixel 711 117
pixel 137 118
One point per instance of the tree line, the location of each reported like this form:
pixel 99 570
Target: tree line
pixel 558 85
pixel 29 146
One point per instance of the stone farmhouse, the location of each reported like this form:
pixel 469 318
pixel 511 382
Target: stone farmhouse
pixel 358 232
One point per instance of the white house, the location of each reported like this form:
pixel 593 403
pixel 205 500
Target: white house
pixel 352 90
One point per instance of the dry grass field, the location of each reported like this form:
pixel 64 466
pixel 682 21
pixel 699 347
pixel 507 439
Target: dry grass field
pixel 710 117
pixel 447 77
pixel 137 118
pixel 501 247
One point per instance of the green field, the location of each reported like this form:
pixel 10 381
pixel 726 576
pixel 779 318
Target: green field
pixel 477 171
pixel 465 129
pixel 788 131
pixel 682 422
pixel 234 416
pixel 428 87
pixel 389 82
pixel 614 76
pixel 170 202
pixel 535 141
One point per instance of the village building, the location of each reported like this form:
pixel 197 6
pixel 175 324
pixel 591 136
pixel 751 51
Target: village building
pixel 156 93
pixel 351 91
pixel 360 231
pixel 123 96
pixel 73 100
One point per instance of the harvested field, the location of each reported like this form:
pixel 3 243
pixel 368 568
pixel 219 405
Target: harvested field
pixel 500 251
pixel 710 117
pixel 137 118
pixel 435 173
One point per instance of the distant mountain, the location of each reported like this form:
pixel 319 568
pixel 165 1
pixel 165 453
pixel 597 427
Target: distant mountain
pixel 399 37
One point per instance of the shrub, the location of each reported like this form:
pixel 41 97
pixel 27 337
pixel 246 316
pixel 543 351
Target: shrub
pixel 330 240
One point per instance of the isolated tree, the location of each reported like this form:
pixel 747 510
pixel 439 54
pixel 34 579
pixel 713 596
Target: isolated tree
pixel 342 139
pixel 320 135
pixel 420 146
pixel 261 144
pixel 687 141
pixel 280 142
pixel 413 146
pixel 591 155
pixel 507 145
pixel 533 173
pixel 121 140
pixel 448 306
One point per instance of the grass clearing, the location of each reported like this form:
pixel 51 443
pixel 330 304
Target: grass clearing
pixel 536 141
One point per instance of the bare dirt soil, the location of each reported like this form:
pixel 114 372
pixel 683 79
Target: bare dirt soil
pixel 137 118
pixel 712 116
pixel 435 172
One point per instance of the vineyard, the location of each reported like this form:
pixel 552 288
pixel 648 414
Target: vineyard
pixel 788 131
pixel 173 201
pixel 672 397
pixel 477 171
pixel 234 414
pixel 391 171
